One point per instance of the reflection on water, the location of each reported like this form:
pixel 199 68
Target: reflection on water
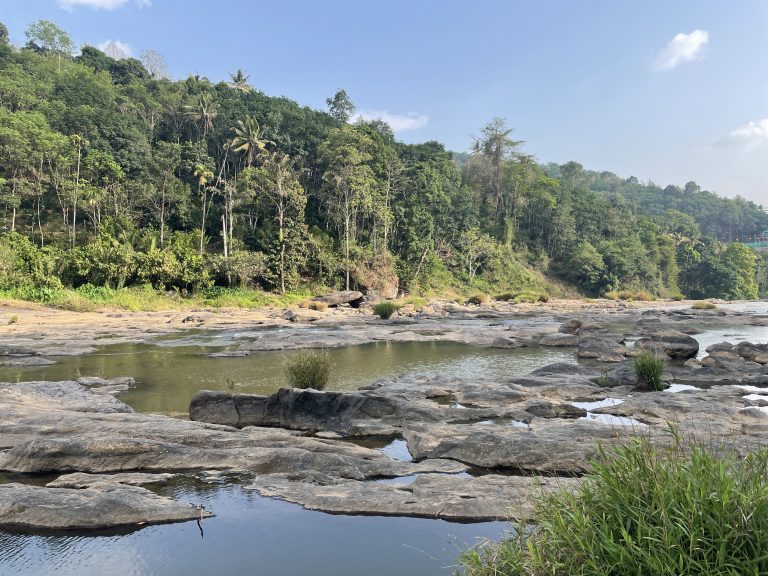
pixel 168 375
pixel 252 535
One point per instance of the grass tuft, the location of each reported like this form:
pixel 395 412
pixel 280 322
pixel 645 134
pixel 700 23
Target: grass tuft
pixel 385 309
pixel 308 369
pixel 648 369
pixel 703 305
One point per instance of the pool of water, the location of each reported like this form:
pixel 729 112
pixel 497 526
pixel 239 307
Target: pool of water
pixel 169 374
pixel 251 534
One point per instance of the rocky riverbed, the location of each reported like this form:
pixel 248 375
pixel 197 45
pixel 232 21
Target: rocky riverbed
pixel 469 448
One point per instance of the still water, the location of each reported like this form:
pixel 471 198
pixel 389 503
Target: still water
pixel 169 374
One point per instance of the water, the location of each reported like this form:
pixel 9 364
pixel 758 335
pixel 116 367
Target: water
pixel 251 534
pixel 169 374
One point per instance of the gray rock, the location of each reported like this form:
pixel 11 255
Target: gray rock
pixel 351 297
pixel 450 497
pixel 570 327
pixel 674 343
pixel 105 505
pixel 83 480
pixel 559 339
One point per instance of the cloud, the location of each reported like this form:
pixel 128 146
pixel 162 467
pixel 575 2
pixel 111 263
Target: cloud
pixel 115 49
pixel 100 4
pixel 398 122
pixel 682 48
pixel 749 135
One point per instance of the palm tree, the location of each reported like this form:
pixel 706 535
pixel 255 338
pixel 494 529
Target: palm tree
pixel 203 112
pixel 240 82
pixel 249 139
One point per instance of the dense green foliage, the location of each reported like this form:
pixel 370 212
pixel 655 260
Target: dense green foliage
pixel 308 369
pixel 112 175
pixel 646 510
pixel 648 369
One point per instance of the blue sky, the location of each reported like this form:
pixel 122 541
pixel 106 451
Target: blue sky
pixel 665 91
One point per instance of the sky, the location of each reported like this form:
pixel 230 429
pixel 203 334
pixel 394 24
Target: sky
pixel 664 91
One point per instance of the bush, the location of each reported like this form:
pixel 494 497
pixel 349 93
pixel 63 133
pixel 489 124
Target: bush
pixel 318 306
pixel 385 309
pixel 479 299
pixel 645 510
pixel 703 305
pixel 308 369
pixel 648 369
pixel 643 296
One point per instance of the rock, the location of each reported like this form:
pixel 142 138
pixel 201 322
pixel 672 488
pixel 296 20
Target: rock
pixel 675 344
pixel 83 480
pixel 351 297
pixel 761 358
pixel 749 351
pixel 102 505
pixel 450 497
pixel 302 315
pixel 721 347
pixel 25 361
pixel 348 412
pixel 692 363
pixel 559 339
pixel 570 327
pixel 600 343
pixel 506 343
pixel 10 350
pixel 193 319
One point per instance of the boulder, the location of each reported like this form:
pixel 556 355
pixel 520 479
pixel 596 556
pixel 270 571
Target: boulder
pixel 559 339
pixel 570 327
pixel 302 315
pixel 600 343
pixel 674 343
pixel 506 343
pixel 351 297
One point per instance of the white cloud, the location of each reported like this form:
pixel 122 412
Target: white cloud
pixel 100 4
pixel 682 48
pixel 115 49
pixel 398 122
pixel 750 134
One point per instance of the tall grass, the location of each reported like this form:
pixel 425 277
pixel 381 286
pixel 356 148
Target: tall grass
pixel 385 309
pixel 308 369
pixel 703 305
pixel 649 369
pixel 669 511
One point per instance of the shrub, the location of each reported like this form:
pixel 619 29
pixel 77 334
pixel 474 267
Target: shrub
pixel 308 369
pixel 648 369
pixel 703 305
pixel 385 309
pixel 643 296
pixel 479 299
pixel 645 509
pixel 611 295
pixel 318 306
pixel 13 319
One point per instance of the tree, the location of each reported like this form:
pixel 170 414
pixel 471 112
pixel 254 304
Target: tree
pixel 340 106
pixel 164 192
pixel 277 181
pixel 45 36
pixel 155 64
pixel 203 113
pixel 240 82
pixel 114 50
pixel 249 139
pixel 476 248
pixel 203 174
pixel 348 181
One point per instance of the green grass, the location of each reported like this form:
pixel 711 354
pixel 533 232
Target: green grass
pixel 88 298
pixel 703 305
pixel 308 369
pixel 674 511
pixel 649 369
pixel 385 309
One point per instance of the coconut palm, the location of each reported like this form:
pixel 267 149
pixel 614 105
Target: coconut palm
pixel 240 82
pixel 249 139
pixel 203 113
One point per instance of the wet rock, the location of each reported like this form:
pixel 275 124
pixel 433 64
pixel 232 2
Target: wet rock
pixel 506 343
pixel 351 297
pixel 675 344
pixel 490 497
pixel 600 343
pixel 559 339
pixel 104 505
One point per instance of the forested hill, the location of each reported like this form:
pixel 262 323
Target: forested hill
pixel 113 175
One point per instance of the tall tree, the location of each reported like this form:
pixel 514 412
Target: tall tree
pixel 249 139
pixel 340 106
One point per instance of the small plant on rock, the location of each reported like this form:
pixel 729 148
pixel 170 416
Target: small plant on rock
pixel 648 369
pixel 308 369
pixel 385 309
